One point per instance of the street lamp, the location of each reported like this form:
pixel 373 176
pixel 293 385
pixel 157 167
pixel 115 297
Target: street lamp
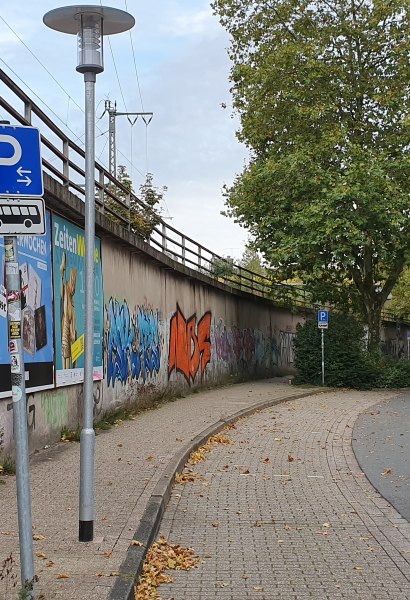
pixel 90 24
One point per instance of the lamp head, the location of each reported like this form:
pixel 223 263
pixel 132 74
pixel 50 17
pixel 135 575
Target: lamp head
pixel 90 23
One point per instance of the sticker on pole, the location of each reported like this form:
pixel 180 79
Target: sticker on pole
pixel 323 319
pixel 19 216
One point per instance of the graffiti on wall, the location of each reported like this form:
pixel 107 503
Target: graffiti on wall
pixel 189 344
pixel 282 349
pixel 235 345
pixel 132 342
pixel 54 407
pixel 286 355
pixel 248 348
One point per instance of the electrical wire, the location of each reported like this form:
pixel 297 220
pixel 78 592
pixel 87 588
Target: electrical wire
pixel 39 61
pixel 70 98
pixel 135 63
pixel 116 73
pixel 38 97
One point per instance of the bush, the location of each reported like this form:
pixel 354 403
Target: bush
pixel 395 373
pixel 347 363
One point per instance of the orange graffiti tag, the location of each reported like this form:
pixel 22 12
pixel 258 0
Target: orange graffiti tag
pixel 189 344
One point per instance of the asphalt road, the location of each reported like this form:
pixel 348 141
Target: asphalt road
pixel 381 443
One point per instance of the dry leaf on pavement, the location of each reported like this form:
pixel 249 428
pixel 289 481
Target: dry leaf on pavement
pixel 162 556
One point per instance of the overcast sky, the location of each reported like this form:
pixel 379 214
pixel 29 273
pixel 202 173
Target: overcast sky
pixel 183 68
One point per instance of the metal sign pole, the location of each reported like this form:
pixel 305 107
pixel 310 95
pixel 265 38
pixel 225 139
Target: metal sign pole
pixel 18 389
pixel 323 357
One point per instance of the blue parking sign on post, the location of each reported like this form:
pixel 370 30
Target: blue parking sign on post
pixel 21 172
pixel 323 319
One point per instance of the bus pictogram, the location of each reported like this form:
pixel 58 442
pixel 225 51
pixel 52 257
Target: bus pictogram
pixel 22 216
pixel 26 215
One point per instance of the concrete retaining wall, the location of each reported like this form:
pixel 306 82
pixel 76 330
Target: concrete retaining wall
pixel 167 331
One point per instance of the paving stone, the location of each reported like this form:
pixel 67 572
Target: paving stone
pixel 295 536
pixel 122 488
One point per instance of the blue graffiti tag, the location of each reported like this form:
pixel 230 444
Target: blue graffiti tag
pixel 132 343
pixel 148 335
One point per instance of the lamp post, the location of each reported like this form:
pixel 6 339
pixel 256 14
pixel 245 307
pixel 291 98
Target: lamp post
pixel 90 24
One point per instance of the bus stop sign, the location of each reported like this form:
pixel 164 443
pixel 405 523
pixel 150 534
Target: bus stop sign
pixel 20 162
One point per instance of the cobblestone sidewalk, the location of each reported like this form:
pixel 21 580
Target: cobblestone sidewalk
pixel 286 513
pixel 129 462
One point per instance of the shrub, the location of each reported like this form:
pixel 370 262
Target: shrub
pixel 395 373
pixel 347 363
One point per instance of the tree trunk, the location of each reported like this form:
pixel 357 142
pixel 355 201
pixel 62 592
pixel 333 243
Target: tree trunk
pixel 374 322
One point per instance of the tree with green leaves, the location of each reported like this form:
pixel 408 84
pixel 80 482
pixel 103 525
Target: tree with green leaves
pixel 400 301
pixel 322 92
pixel 142 216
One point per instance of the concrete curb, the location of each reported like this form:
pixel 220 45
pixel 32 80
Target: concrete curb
pixel 131 567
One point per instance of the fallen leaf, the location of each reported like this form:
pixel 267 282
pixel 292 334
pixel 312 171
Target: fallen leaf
pixel 38 538
pixel 162 556
pixel 388 471
pixel 50 563
pixel 246 472
pixel 150 457
pixel 41 555
pixel 258 588
pixel 257 524
pixel 107 554
pixel 63 576
pixel 215 524
pixel 290 458
pixel 188 477
pixel 137 543
pixel 267 460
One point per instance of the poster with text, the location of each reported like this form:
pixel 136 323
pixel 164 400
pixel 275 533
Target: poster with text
pixel 69 303
pixel 36 296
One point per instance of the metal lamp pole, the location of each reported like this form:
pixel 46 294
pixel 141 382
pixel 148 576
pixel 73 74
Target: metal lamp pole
pixel 90 24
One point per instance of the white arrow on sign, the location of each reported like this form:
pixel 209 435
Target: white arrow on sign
pixel 20 171
pixel 26 180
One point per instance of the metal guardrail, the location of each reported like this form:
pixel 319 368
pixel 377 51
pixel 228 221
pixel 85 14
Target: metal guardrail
pixel 65 161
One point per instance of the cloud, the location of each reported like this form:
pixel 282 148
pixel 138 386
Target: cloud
pixel 200 22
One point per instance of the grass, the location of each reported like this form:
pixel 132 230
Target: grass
pixel 8 466
pixel 70 435
pixel 113 419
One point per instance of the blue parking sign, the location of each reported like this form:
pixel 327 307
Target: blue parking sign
pixel 323 319
pixel 20 162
